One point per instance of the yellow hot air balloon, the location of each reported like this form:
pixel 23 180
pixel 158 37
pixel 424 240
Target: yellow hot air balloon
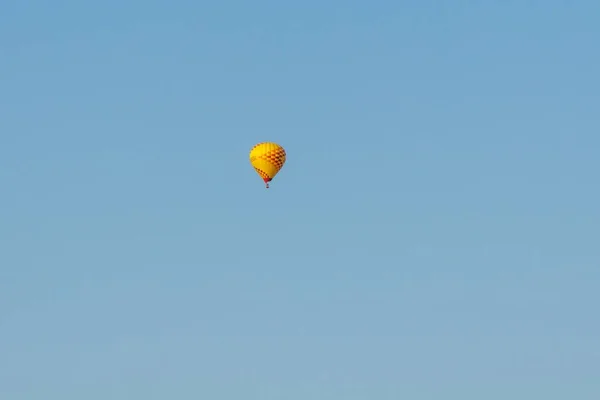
pixel 267 158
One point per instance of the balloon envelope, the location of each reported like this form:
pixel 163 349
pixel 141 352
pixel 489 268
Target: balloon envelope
pixel 267 159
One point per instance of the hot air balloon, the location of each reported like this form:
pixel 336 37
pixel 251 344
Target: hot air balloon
pixel 267 158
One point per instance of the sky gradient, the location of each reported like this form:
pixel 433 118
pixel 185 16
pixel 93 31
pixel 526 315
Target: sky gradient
pixel 434 234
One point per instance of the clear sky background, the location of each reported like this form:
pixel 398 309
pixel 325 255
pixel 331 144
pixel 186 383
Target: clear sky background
pixel 435 233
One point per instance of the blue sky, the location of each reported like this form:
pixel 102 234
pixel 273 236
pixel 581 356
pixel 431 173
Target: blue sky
pixel 433 234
